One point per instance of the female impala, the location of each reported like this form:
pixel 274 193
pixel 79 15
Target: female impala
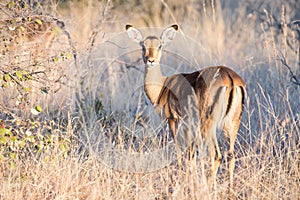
pixel 219 92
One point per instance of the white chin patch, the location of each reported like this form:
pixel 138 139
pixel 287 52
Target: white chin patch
pixel 152 64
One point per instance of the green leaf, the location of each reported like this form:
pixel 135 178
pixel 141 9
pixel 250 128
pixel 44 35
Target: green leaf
pixel 69 55
pixel 47 159
pixel 22 143
pixel 14 138
pixel 62 147
pixel 55 59
pixel 5 131
pixel 36 110
pixel 6 77
pixel 4 85
pixel 44 90
pixel 24 72
pixel 10 4
pixel 12 165
pixel 39 108
pixel 3 140
pixel 19 74
pixel 39 21
pixel 55 31
pixel 12 155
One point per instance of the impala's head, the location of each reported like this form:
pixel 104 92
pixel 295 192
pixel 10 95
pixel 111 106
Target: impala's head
pixel 152 45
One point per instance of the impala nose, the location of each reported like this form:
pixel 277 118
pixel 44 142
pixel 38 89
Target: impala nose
pixel 150 61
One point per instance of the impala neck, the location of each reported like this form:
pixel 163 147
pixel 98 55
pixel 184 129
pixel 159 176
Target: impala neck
pixel 154 81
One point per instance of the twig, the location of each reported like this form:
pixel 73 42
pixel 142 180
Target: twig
pixel 13 78
pixel 294 78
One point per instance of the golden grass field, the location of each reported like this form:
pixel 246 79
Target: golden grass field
pixel 82 128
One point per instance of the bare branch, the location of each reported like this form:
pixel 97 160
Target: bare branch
pixel 294 78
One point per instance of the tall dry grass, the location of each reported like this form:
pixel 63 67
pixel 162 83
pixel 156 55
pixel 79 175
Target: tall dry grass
pixel 104 104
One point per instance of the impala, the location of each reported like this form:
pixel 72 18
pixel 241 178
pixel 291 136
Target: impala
pixel 219 91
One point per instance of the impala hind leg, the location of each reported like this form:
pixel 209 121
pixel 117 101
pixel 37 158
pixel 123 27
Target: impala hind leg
pixel 231 132
pixel 231 127
pixel 173 128
pixel 210 127
pixel 231 157
pixel 215 160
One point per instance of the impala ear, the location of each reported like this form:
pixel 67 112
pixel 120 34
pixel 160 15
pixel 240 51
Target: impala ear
pixel 134 33
pixel 169 33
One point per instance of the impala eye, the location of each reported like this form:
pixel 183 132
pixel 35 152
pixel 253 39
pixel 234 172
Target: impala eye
pixel 160 46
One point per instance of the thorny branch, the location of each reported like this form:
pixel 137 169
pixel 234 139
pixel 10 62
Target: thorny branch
pixel 294 78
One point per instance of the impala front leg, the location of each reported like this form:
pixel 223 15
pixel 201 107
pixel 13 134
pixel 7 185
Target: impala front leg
pixel 173 127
